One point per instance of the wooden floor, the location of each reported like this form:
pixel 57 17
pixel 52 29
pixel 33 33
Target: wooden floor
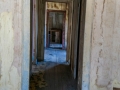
pixel 58 77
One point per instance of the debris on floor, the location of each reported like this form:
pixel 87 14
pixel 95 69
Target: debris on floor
pixel 37 81
pixel 52 76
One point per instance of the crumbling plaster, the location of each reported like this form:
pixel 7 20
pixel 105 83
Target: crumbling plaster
pixel 105 46
pixel 25 44
pixel 101 57
pixel 10 44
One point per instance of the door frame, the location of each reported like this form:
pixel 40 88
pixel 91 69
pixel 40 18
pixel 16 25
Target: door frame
pixel 84 59
pixel 47 30
pixel 25 72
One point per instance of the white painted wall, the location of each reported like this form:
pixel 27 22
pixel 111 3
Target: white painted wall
pixel 10 44
pixel 105 49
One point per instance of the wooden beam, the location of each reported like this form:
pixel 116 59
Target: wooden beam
pixel 60 1
pixel 81 42
pixel 41 25
pixel 74 45
pixel 69 32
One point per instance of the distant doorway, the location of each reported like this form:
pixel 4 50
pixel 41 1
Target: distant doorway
pixel 56 32
pixel 55 35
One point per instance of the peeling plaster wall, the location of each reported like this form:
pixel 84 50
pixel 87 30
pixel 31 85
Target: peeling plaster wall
pixel 10 44
pixel 60 6
pixel 116 46
pixel 105 50
pixel 25 45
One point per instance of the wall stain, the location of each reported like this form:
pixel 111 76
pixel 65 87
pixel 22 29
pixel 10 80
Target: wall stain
pixel 9 77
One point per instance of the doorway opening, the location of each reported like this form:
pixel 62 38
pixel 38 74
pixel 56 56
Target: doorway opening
pixel 54 45
pixel 55 28
pixel 55 39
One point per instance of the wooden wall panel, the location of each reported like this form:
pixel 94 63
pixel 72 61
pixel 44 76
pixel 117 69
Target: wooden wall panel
pixel 41 25
pixel 81 42
pixel 69 33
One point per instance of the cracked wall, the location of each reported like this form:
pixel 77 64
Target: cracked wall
pixel 10 45
pixel 105 50
pixel 116 46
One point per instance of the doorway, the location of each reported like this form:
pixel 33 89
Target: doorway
pixel 56 24
pixel 56 29
pixel 53 72
pixel 28 74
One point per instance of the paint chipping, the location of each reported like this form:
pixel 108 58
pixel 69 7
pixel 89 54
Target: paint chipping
pixel 100 53
pixel 10 78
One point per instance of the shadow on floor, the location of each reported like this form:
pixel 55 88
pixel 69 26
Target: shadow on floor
pixel 55 77
pixel 116 88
